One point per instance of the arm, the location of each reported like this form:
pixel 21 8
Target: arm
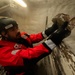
pixel 35 38
pixel 34 52
pixel 47 46
pixel 40 36
pixel 9 56
pixel 58 21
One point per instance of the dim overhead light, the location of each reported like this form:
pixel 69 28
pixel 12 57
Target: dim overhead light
pixel 21 2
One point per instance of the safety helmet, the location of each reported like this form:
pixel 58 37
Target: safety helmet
pixel 6 23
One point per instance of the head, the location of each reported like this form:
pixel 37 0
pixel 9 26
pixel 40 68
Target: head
pixel 9 29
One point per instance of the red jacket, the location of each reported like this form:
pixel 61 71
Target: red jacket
pixel 12 53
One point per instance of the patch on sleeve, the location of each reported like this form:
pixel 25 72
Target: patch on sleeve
pixel 14 52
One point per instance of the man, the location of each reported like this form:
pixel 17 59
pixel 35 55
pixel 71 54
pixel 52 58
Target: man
pixel 17 53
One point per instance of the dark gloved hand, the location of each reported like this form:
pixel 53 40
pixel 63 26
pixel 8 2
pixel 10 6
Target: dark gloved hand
pixel 58 21
pixel 60 34
pixel 56 38
pixel 50 30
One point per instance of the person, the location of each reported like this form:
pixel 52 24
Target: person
pixel 17 53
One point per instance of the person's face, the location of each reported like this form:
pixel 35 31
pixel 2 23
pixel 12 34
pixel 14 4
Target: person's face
pixel 13 33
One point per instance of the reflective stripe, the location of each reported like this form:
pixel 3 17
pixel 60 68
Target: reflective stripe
pixel 44 35
pixel 14 52
pixel 50 44
pixel 8 26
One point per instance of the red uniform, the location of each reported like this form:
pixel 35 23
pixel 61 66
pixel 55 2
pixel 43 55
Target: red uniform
pixel 17 56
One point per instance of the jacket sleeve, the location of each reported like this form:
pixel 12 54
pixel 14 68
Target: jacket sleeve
pixel 15 57
pixel 36 37
pixel 34 52
pixel 11 56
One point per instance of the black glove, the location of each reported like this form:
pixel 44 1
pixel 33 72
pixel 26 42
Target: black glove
pixel 50 30
pixel 60 34
pixel 56 38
